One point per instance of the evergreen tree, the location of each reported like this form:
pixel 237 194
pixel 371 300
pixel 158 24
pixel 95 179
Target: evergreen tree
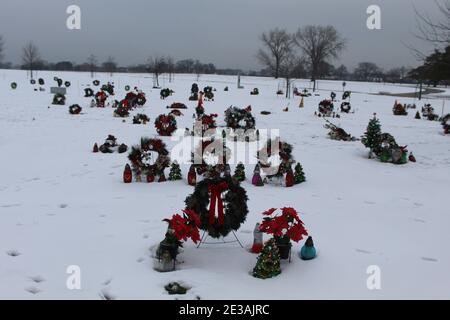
pixel 418 115
pixel 299 174
pixel 239 173
pixel 175 172
pixel 371 138
pixel 268 264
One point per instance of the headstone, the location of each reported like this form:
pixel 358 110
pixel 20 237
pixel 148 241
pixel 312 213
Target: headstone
pixel 58 90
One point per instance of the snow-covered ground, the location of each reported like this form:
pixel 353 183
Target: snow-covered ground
pixel 62 205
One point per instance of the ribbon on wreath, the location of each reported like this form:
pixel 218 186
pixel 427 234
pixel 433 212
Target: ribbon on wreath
pixel 216 197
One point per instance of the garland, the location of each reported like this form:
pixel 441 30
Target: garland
pixel 232 207
pixel 140 157
pixel 165 125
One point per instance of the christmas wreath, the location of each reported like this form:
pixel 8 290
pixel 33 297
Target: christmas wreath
pixel 165 93
pixel 211 161
pixel 96 83
pixel 284 157
pixel 14 85
pixel 236 118
pixel 232 207
pixel 346 107
pixel 88 92
pixel 326 107
pixel 75 109
pixel 165 125
pixel 208 92
pixel 346 95
pixel 67 84
pixel 59 99
pixel 141 157
pixel 141 119
pixel 108 88
pixel 32 81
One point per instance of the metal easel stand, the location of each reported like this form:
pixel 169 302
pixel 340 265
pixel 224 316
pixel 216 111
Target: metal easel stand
pixel 205 237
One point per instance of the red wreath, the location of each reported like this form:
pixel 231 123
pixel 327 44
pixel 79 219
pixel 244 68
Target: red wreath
pixel 165 125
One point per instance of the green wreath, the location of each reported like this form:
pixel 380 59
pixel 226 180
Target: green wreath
pixel 14 86
pixel 140 156
pixel 234 207
pixel 59 99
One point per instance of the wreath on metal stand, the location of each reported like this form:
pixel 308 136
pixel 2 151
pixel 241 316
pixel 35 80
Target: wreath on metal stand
pixel 231 206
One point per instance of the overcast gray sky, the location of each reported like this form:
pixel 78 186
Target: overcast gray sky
pixel 224 32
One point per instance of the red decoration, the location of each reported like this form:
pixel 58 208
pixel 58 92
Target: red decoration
pixel 257 248
pixel 192 176
pixel 127 174
pixel 290 181
pixel 150 177
pixel 412 158
pixel 95 149
pixel 216 196
pixel 186 226
pixel 287 225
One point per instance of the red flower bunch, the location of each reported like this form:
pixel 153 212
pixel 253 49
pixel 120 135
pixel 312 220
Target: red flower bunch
pixel 286 226
pixel 186 226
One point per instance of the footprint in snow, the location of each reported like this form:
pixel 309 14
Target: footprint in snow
pixel 107 282
pixel 63 206
pixel 33 290
pixel 13 253
pixel 11 205
pixel 145 236
pixel 429 259
pixel 363 251
pixel 140 260
pixel 417 204
pixel 106 295
pixel 37 279
pixel 369 202
pixel 420 220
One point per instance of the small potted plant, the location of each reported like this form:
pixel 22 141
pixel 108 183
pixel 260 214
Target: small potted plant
pixel 284 227
pixel 181 228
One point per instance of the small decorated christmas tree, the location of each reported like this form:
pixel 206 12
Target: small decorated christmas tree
pixel 239 173
pixel 371 138
pixel 418 115
pixel 175 172
pixel 299 175
pixel 268 264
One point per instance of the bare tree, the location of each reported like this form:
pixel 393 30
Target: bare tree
pixel 319 44
pixel 367 71
pixel 170 67
pixel 434 30
pixel 278 47
pixel 157 65
pixel 1 48
pixel 110 65
pixel 30 57
pixel 290 68
pixel 92 63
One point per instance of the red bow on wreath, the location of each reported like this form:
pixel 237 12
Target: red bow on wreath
pixel 216 196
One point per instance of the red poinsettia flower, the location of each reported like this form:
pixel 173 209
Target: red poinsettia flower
pixel 193 217
pixel 290 212
pixel 296 232
pixel 269 212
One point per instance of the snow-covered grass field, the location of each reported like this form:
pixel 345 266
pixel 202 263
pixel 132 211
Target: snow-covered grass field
pixel 62 205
